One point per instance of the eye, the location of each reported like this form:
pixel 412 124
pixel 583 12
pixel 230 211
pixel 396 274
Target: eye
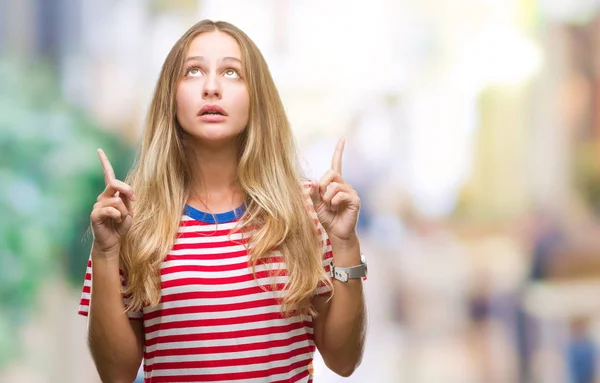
pixel 231 73
pixel 193 72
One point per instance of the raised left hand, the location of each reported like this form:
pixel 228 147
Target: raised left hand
pixel 337 204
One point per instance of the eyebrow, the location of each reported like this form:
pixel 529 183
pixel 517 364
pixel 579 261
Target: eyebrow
pixel 202 58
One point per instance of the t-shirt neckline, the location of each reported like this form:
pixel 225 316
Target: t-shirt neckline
pixel 225 217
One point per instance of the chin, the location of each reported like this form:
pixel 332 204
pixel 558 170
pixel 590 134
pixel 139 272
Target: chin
pixel 215 138
pixel 213 134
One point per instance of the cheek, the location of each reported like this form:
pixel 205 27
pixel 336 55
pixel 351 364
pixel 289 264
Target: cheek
pixel 184 101
pixel 244 104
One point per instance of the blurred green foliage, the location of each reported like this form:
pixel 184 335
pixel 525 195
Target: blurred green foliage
pixel 50 177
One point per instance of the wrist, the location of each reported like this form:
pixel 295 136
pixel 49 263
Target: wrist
pixel 345 244
pixel 108 256
pixel 346 253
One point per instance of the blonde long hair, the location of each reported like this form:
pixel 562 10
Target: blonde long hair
pixel 268 173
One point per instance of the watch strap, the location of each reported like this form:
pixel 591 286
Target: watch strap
pixel 343 274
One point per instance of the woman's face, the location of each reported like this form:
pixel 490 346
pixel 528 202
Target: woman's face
pixel 213 104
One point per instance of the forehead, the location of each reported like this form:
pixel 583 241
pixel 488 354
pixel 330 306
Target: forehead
pixel 215 44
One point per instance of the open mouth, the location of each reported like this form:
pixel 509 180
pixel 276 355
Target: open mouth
pixel 212 110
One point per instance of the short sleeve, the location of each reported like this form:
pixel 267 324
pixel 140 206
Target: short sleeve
pixel 86 294
pixel 327 253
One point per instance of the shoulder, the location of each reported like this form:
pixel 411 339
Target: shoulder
pixel 306 185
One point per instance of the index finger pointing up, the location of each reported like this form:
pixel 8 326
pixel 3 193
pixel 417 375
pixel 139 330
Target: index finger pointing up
pixel 336 162
pixel 109 173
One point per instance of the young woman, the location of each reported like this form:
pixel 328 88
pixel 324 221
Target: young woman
pixel 216 260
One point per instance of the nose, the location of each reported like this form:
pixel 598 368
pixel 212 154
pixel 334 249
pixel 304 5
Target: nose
pixel 212 87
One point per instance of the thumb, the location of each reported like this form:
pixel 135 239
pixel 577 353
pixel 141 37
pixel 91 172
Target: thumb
pixel 315 196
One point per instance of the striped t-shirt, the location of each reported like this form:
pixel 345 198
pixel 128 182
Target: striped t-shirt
pixel 215 321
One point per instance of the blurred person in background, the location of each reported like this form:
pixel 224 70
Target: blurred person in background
pixel 546 235
pixel 564 264
pixel 215 260
pixel 582 352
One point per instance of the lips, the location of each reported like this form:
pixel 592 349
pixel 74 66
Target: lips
pixel 212 110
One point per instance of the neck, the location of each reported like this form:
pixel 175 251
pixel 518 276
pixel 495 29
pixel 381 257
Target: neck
pixel 214 178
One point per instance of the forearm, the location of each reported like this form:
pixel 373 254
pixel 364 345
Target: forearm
pixel 115 347
pixel 344 328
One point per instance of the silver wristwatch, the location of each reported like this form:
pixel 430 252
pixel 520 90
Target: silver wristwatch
pixel 343 274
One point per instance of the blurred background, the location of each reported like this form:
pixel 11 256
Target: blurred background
pixel 473 131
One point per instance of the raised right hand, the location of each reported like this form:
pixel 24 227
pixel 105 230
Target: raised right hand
pixel 112 215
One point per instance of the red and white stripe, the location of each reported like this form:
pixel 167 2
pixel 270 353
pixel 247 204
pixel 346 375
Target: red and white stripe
pixel 216 322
